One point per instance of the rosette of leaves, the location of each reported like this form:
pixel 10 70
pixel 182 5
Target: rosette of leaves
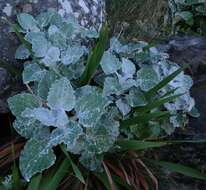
pixel 135 92
pixel 188 15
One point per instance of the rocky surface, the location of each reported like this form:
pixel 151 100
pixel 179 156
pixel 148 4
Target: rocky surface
pixel 89 12
pixel 191 50
pixel 141 20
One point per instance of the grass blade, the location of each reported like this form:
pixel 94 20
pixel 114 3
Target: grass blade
pixel 143 145
pixel 16 181
pixel 144 118
pixel 76 170
pixel 103 178
pixel 156 104
pixel 21 38
pixel 53 182
pixel 35 182
pixel 121 182
pixel 169 93
pixel 109 176
pixel 179 168
pixel 95 57
pixel 139 145
pixel 163 83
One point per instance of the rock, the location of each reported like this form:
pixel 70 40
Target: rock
pixel 141 20
pixel 191 51
pixel 89 12
pixel 4 86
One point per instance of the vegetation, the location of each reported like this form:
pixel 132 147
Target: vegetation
pixel 85 107
pixel 188 16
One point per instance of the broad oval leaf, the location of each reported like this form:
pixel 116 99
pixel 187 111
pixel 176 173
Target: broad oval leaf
pixel 31 128
pixel 44 18
pixel 52 57
pixel 32 72
pixel 123 107
pixel 109 63
pixel 147 78
pixel 61 95
pixel 56 118
pixel 27 22
pixel 45 84
pixel 136 98
pixel 72 55
pixel 90 108
pixel 35 158
pixel 102 136
pixel 70 136
pixel 20 102
pixel 22 52
pixel 128 68
pixel 40 44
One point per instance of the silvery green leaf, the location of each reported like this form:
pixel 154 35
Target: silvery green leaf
pixel 178 120
pixel 128 49
pixel 53 29
pixel 92 161
pixel 44 19
pixel 89 108
pixel 125 82
pixel 72 55
pixel 115 45
pixel 112 86
pixel 73 71
pixel 67 29
pixel 27 22
pixel 123 107
pixel 45 84
pixel 40 44
pixel 67 71
pixel 128 68
pixel 77 69
pixel 61 95
pixel 85 91
pixel 101 137
pixel 147 78
pixel 184 102
pixel 35 159
pixel 90 33
pixel 183 82
pixel 132 48
pixel 32 36
pixel 136 98
pixel 57 19
pixel 70 136
pixel 57 37
pixel 52 57
pixel 110 63
pixel 99 79
pixel 56 118
pixel 194 112
pixel 32 72
pixel 22 52
pixel 20 102
pixel 31 128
